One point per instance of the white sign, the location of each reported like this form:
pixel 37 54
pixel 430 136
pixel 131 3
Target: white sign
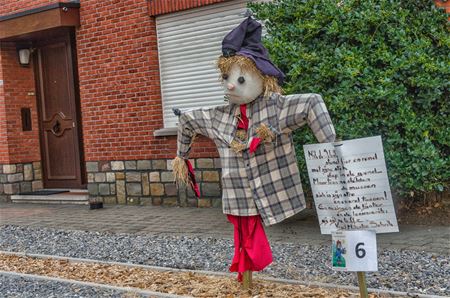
pixel 354 251
pixel 350 186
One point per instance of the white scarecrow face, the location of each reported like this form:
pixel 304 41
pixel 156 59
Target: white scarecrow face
pixel 240 87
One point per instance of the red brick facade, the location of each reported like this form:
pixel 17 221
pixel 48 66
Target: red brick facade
pixel 119 84
pixel 157 7
pixel 119 81
pixel 8 7
pixel 17 91
pixel 3 134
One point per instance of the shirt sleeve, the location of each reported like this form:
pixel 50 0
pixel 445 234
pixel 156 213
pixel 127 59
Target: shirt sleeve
pixel 297 110
pixel 198 121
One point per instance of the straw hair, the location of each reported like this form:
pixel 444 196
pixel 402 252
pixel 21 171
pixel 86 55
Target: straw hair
pixel 247 65
pixel 270 84
pixel 264 132
pixel 237 147
pixel 180 171
pixel 241 134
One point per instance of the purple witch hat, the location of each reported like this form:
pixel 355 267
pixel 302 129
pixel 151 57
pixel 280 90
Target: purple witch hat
pixel 245 40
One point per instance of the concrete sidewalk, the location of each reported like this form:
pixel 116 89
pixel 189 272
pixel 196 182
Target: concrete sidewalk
pixel 203 222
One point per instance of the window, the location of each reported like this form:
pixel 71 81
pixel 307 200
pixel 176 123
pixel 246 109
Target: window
pixel 189 43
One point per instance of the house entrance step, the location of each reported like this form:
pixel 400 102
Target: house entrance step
pixel 69 196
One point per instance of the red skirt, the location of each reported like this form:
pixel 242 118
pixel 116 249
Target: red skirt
pixel 251 247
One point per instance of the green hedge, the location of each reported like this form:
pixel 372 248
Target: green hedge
pixel 382 68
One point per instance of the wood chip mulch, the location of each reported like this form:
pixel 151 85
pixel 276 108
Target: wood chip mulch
pixel 180 283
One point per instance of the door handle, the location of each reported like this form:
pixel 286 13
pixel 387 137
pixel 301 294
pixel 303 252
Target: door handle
pixel 56 128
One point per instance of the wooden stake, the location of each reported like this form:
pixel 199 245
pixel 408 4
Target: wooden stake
pixel 362 284
pixel 247 280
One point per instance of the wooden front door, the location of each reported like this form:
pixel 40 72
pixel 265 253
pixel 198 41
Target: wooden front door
pixel 58 112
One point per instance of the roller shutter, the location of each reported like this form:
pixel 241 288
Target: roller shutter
pixel 189 43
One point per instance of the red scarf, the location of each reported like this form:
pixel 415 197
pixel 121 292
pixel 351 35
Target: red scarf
pixel 243 124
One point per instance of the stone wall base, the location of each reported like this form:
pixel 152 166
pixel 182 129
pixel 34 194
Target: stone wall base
pixel 19 177
pixel 151 182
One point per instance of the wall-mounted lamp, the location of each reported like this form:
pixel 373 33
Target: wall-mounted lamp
pixel 24 55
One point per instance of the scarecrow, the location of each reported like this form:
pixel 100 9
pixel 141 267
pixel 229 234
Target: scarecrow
pixel 253 134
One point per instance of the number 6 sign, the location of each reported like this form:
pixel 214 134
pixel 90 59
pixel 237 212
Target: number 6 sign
pixel 354 251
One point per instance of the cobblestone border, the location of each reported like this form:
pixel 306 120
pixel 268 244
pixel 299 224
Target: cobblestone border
pixel 19 177
pixel 151 182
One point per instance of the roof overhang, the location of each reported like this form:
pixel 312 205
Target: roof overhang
pixel 51 16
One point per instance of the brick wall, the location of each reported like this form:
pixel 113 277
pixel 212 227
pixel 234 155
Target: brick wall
pixel 13 6
pixel 18 82
pixel 119 79
pixel 4 156
pixel 120 85
pixel 17 146
pixel 157 7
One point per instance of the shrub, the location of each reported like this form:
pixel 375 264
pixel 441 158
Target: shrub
pixel 382 67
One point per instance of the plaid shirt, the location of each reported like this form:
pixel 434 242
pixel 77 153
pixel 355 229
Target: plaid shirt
pixel 266 182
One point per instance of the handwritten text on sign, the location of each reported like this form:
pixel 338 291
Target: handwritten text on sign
pixel 350 185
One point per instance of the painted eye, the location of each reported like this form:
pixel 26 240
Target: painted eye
pixel 225 76
pixel 241 80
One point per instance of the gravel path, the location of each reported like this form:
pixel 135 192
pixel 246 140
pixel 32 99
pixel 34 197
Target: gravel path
pixel 408 271
pixel 20 287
